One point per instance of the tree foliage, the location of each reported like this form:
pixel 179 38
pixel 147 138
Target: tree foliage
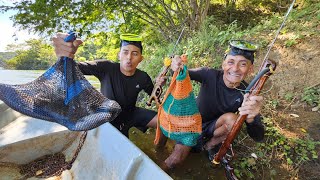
pixel 156 20
pixel 38 56
pixel 151 17
pixel 164 16
pixel 5 56
pixel 99 46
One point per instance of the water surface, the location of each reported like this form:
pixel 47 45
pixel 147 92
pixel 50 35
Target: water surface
pixel 25 76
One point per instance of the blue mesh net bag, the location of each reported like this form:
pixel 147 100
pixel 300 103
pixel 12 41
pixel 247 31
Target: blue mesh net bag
pixel 61 95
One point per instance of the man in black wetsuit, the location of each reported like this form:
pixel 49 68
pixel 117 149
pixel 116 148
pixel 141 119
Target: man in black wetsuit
pixel 221 95
pixel 121 82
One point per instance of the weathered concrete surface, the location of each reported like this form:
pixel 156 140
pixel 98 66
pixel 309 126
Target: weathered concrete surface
pixel 106 153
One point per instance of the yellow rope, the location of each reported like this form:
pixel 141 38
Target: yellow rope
pixel 271 70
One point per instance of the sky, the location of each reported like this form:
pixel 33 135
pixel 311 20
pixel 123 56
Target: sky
pixel 7 30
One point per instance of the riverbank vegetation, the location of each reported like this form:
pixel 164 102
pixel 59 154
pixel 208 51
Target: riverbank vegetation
pixel 291 146
pixel 37 56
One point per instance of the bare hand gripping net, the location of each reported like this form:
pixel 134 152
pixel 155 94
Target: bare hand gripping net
pixel 61 95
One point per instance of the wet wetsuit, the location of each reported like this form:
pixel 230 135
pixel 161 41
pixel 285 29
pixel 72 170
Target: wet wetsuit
pixel 216 99
pixel 123 89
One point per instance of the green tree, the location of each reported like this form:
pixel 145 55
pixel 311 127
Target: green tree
pixel 5 56
pixel 37 56
pixel 104 45
pixel 165 16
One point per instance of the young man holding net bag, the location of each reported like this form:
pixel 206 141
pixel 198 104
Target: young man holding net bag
pixel 120 82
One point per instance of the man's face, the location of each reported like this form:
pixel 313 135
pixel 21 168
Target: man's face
pixel 235 69
pixel 130 56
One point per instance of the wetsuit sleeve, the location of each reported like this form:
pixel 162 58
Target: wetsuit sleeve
pixel 95 68
pixel 198 74
pixel 256 129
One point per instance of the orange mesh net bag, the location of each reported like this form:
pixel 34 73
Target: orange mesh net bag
pixel 178 116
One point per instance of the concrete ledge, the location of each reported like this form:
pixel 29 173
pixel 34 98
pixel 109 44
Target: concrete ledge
pixel 106 154
pixel 30 149
pixel 25 128
pixel 7 116
pixel 3 106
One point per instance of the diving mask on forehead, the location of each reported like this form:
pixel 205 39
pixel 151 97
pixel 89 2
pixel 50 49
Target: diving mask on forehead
pixel 132 39
pixel 243 48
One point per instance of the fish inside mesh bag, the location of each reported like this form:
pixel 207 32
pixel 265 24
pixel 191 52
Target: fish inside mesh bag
pixel 61 95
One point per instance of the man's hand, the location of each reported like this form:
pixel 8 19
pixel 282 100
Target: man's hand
pixel 161 80
pixel 62 48
pixel 176 63
pixel 251 106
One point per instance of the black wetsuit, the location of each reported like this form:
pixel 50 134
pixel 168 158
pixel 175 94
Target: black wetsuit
pixel 123 89
pixel 216 99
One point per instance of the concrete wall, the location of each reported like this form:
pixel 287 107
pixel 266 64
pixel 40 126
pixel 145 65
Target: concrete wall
pixel 106 153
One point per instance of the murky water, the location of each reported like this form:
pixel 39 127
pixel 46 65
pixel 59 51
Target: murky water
pixel 197 165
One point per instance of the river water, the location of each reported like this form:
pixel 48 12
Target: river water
pixel 197 165
pixel 25 76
